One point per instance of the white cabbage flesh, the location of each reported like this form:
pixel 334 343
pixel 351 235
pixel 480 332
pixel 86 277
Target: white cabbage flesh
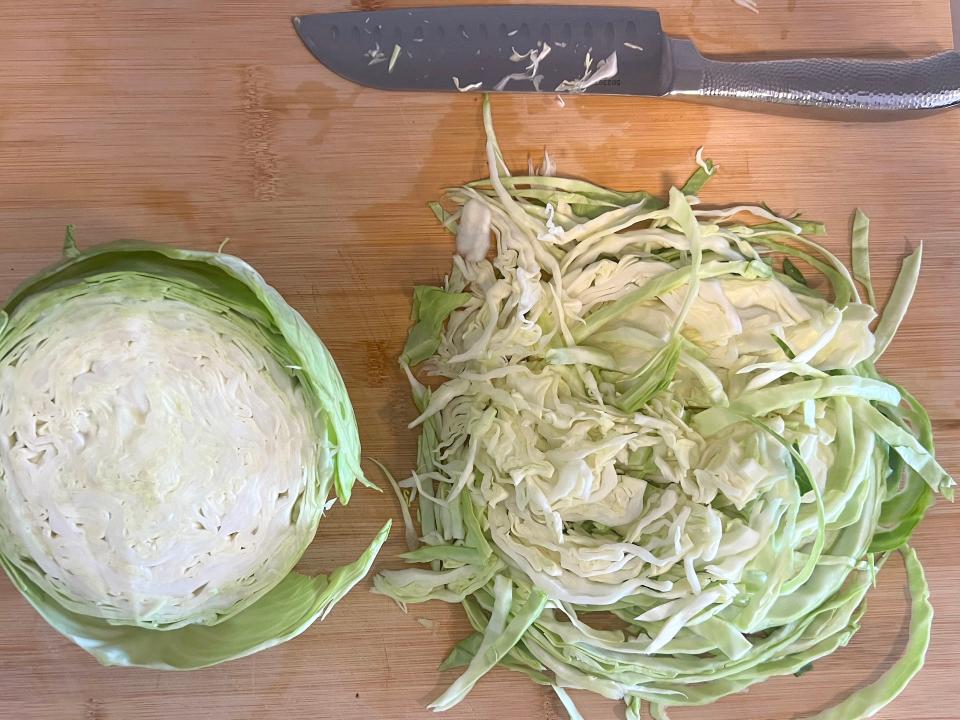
pixel 153 457
pixel 546 458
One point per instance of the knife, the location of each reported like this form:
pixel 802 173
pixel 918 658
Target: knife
pixel 608 51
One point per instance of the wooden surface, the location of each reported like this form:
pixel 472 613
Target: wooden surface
pixel 189 122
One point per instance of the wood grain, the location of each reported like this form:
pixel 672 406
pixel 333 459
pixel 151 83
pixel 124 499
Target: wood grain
pixel 188 122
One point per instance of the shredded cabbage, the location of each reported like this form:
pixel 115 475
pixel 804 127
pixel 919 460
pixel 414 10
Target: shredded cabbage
pixel 643 421
pixel 170 431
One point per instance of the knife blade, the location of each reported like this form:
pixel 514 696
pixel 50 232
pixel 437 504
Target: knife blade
pixel 495 46
pixel 608 51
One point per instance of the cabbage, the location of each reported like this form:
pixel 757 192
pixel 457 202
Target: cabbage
pixel 170 433
pixel 658 467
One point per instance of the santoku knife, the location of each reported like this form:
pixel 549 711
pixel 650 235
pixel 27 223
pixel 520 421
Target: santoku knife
pixel 610 51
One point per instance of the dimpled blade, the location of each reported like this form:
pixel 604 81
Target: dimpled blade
pixel 516 48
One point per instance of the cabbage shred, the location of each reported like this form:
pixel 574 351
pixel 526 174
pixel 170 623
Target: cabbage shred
pixel 642 419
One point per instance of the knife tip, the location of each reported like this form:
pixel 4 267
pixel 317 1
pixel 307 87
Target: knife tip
pixel 296 21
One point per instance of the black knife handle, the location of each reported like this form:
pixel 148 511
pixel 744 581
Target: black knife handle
pixel 885 87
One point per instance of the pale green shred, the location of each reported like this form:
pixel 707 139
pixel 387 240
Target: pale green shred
pixel 867 701
pixel 896 307
pixel 658 712
pixel 655 468
pixel 70 249
pixel 409 529
pixel 567 703
pixel 431 307
pixel 499 637
pixel 860 254
pixel 193 431
pixel 909 448
pixel 793 272
pixel 448 220
pixel 699 178
pixel 394 56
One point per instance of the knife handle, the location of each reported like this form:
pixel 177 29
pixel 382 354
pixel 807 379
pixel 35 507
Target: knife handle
pixel 872 87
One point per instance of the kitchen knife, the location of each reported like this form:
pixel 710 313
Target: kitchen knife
pixel 609 51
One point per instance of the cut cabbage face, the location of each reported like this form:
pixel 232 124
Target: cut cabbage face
pixel 153 458
pixel 168 440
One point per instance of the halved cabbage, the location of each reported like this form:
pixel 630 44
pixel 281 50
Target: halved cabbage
pixel 170 431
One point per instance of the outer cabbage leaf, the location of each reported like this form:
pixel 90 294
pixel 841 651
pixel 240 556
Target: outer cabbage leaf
pixel 283 613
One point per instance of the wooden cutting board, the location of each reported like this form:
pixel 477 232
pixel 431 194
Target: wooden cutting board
pixel 190 122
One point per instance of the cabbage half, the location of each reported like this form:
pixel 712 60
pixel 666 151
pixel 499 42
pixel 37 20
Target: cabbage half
pixel 661 465
pixel 170 433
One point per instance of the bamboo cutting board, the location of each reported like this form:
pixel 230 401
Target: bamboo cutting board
pixel 188 122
